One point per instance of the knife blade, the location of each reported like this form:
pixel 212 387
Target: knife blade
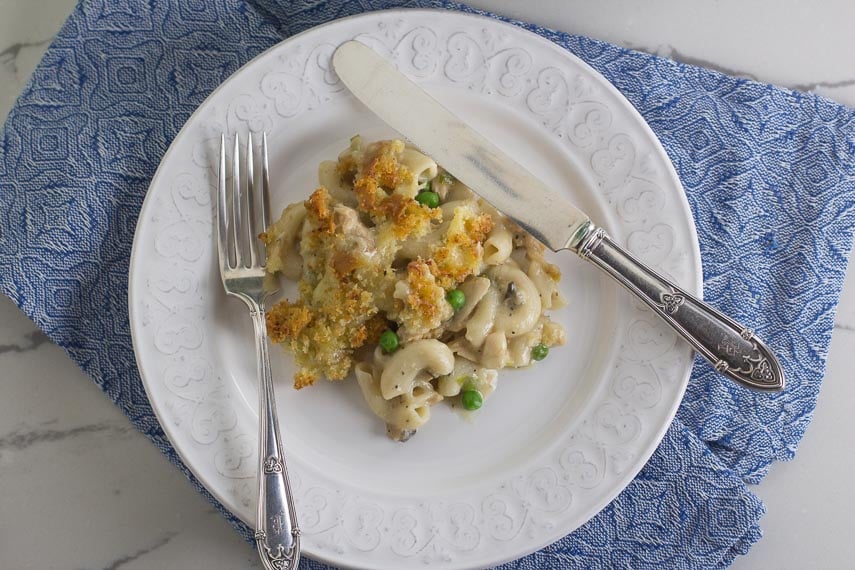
pixel 466 154
pixel 733 349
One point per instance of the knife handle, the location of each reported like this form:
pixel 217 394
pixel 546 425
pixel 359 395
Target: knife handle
pixel 731 348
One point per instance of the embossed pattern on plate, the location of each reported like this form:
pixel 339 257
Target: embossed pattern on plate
pixel 555 443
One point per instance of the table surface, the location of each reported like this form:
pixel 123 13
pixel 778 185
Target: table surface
pixel 110 500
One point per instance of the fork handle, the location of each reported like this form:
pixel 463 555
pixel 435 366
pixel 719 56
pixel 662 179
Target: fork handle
pixel 277 534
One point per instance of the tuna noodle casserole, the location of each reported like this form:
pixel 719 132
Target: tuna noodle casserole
pixel 409 279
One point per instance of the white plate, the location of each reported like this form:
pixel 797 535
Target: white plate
pixel 556 442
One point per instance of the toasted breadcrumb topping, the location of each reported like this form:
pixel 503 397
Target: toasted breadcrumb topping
pixel 425 307
pixel 462 250
pixel 354 282
pixel 375 188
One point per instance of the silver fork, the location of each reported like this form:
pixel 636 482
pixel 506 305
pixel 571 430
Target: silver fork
pixel 242 260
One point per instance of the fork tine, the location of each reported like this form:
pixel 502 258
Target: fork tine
pixel 265 183
pixel 222 213
pixel 236 209
pixel 264 220
pixel 251 225
pixel 265 191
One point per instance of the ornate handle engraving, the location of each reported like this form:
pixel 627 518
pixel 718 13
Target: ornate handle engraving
pixel 730 347
pixel 277 536
pixel 670 301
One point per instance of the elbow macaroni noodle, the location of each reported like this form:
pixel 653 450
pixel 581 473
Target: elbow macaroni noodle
pixel 369 258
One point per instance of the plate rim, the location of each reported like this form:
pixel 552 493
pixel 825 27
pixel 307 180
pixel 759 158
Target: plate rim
pixel 685 212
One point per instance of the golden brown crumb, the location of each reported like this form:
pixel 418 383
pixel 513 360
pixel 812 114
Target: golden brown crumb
pixel 319 211
pixel 461 253
pixel 368 193
pixel 285 320
pixel 374 327
pixel 343 263
pixel 408 216
pixel 423 288
pixel 374 188
pixel 384 167
pixel 425 307
pixel 304 378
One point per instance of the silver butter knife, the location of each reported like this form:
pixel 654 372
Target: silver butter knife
pixel 732 349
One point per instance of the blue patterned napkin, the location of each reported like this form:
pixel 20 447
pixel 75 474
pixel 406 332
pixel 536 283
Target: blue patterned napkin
pixel 769 175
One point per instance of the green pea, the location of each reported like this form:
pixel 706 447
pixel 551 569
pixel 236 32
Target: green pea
pixel 389 341
pixel 539 351
pixel 472 399
pixel 428 198
pixel 446 179
pixel 456 298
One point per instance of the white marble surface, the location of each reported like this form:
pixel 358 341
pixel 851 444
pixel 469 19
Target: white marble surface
pixel 79 488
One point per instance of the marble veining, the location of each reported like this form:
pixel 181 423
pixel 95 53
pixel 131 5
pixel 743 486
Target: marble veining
pixel 842 90
pixel 31 341
pixel 817 85
pixel 671 52
pixel 127 559
pixel 9 55
pixel 23 438
pixel 103 470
